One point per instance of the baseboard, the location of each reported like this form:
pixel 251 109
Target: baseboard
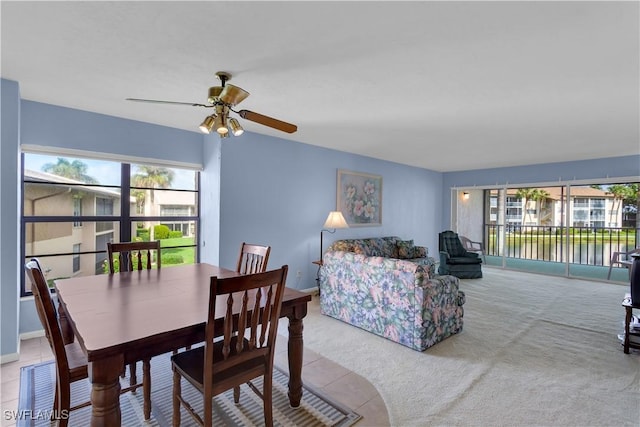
pixel 313 291
pixel 11 357
pixel 33 334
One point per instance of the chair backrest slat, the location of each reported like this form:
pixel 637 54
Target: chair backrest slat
pixel 132 255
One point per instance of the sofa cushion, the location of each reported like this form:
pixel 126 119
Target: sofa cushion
pixel 406 249
pixel 374 246
pixel 347 245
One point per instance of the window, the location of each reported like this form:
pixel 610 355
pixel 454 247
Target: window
pixel 77 210
pixel 104 206
pixel 72 207
pixel 76 258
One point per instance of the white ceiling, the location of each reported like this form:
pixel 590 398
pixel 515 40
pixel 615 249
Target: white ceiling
pixel 441 85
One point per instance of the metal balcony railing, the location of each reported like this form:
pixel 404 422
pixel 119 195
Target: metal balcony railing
pixel 580 245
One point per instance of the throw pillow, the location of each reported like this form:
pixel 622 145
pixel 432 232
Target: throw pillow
pixel 406 249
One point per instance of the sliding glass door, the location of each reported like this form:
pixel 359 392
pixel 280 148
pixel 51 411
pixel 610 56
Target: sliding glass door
pixel 570 230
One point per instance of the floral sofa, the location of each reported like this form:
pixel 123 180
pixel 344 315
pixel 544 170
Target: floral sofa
pixel 388 286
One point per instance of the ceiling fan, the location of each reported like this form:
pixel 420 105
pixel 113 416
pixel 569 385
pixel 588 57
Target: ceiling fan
pixel 222 98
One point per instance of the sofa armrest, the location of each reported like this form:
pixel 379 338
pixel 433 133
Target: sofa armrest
pixel 442 311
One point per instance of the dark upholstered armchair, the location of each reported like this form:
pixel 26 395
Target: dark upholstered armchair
pixel 455 260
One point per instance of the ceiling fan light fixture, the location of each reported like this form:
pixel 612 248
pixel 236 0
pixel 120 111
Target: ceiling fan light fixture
pixel 220 124
pixel 236 129
pixel 207 124
pixel 224 135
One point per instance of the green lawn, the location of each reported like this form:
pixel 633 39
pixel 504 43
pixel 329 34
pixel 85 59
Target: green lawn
pixel 188 254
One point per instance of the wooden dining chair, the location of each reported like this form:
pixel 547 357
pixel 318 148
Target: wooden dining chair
pixel 136 256
pixel 253 258
pixel 241 354
pixel 71 362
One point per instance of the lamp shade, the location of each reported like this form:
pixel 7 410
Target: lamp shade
pixel 335 220
pixel 207 124
pixel 236 129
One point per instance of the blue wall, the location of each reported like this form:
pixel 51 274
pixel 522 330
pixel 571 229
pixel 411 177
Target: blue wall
pixel 9 263
pixel 279 192
pixel 70 129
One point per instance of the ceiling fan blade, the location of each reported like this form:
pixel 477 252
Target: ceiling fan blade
pixel 268 121
pixel 155 101
pixel 233 95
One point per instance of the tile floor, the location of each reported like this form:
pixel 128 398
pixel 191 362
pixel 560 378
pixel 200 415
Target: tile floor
pixel 333 380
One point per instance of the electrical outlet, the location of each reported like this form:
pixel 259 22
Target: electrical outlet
pixel 299 274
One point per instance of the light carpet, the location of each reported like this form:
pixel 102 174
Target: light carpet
pixel 36 399
pixel 535 351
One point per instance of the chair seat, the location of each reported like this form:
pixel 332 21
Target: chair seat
pixel 190 364
pixel 77 361
pixel 464 260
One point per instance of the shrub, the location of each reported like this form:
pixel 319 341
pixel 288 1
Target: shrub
pixel 169 259
pixel 116 263
pixel 143 234
pixel 161 232
pixel 175 234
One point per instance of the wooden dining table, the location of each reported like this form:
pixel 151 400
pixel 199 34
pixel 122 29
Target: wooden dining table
pixel 126 317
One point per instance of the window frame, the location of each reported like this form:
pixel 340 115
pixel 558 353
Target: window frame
pixel 124 218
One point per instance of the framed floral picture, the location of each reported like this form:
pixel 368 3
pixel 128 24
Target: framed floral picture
pixel 360 198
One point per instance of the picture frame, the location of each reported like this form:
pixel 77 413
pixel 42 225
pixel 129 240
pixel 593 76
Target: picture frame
pixel 359 198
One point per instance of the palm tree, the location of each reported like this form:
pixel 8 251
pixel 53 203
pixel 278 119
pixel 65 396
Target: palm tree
pixel 539 196
pixel 531 194
pixel 149 178
pixel 75 170
pixel 619 192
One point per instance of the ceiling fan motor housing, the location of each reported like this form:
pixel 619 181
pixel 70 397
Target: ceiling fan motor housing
pixel 214 94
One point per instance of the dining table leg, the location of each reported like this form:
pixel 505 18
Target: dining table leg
pixel 295 349
pixel 104 375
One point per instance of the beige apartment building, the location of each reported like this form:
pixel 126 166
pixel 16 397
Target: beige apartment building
pixel 588 207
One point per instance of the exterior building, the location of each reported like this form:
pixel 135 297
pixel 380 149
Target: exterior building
pixel 46 194
pixel 588 207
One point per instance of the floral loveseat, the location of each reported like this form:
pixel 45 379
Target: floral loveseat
pixel 388 286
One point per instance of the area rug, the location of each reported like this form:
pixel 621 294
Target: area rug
pixel 535 351
pixel 36 399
